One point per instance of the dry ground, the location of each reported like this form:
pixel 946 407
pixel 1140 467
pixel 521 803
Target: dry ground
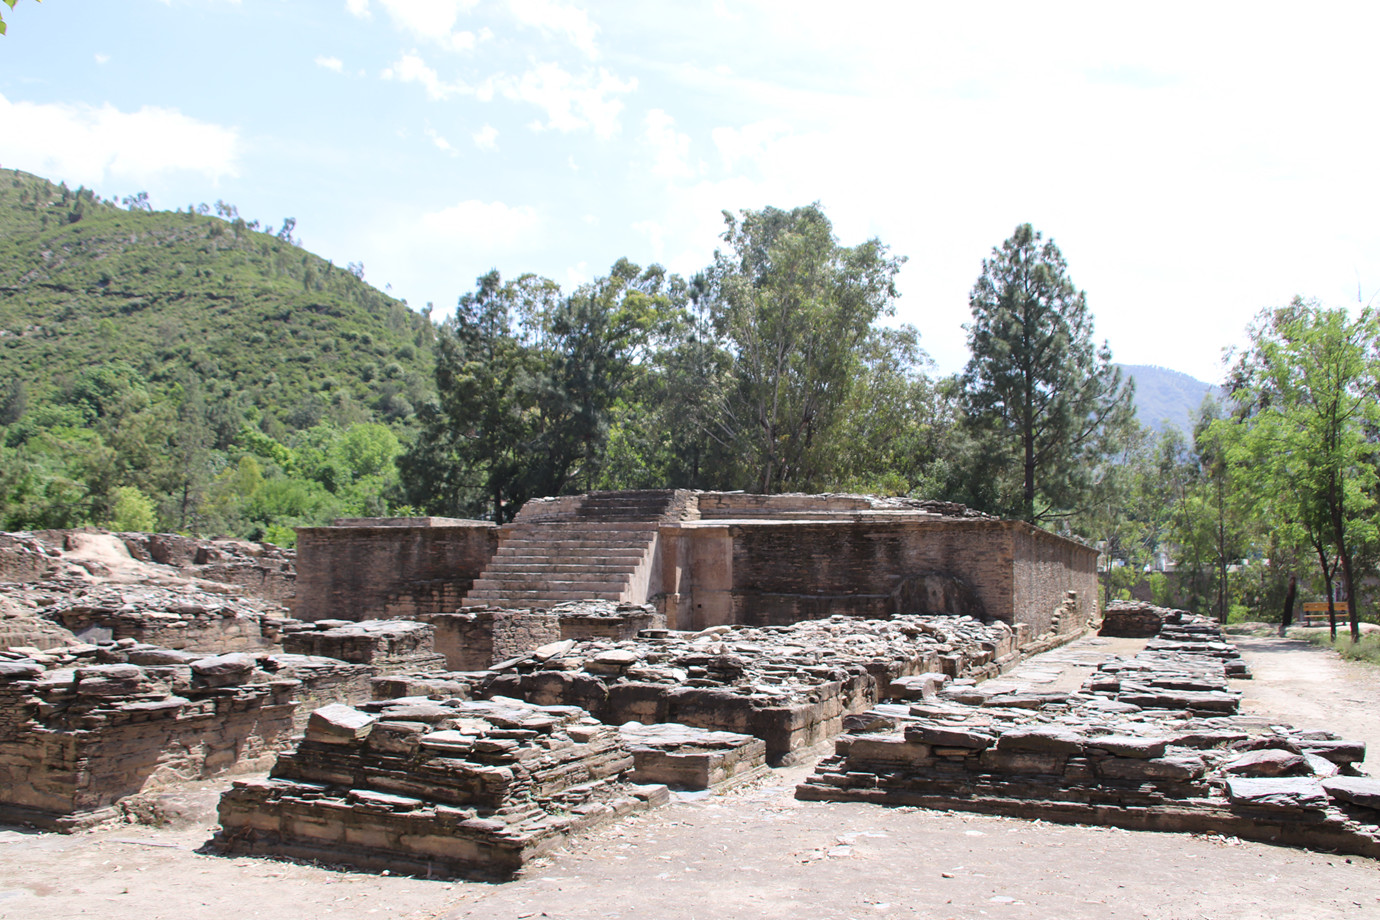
pixel 758 853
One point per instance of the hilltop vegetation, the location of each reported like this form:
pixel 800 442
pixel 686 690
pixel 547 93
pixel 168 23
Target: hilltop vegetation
pixel 148 359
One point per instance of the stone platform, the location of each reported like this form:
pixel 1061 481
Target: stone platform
pixel 1150 742
pixel 413 785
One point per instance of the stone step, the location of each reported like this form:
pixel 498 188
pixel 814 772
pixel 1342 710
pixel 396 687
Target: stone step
pixel 601 541
pixel 535 566
pixel 536 598
pixel 602 555
pixel 544 584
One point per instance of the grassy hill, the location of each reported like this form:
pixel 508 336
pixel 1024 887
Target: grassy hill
pixel 185 371
pixel 255 318
pixel 1166 398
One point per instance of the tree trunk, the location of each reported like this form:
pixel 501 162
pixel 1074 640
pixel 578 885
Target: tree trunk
pixel 1290 596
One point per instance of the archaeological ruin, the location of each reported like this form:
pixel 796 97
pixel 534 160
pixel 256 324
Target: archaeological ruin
pixel 448 698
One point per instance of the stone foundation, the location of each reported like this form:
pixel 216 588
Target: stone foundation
pixel 1149 743
pixel 692 758
pixel 789 686
pixel 471 789
pixel 76 740
pixel 387 645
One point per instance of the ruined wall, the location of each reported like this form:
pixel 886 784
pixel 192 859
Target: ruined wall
pixel 476 638
pixel 74 743
pixel 787 572
pixel 1044 567
pixel 369 568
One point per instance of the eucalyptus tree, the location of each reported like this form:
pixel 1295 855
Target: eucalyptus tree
pixel 795 310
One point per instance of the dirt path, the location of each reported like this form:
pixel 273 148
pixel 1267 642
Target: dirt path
pixel 758 853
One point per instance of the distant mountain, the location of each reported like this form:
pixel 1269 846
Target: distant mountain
pixel 1166 398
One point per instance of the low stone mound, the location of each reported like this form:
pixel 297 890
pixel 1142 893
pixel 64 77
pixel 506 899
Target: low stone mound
pixel 1151 742
pixel 85 726
pixel 682 757
pixel 388 645
pixel 1137 619
pixel 472 789
pixel 789 686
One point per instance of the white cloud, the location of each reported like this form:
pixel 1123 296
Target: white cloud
pixel 432 21
pixel 410 68
pixel 358 8
pixel 481 225
pixel 330 63
pixel 94 145
pixel 486 138
pixel 655 235
pixel 670 148
pixel 571 102
pixel 551 16
pixel 749 142
pixel 102 58
pixel 440 142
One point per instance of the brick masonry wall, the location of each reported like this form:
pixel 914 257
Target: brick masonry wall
pixel 475 640
pixel 785 572
pixel 361 572
pixel 1044 567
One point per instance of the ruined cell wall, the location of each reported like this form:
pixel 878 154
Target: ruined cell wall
pixel 404 567
pixel 1044 567
pixel 475 638
pixel 791 571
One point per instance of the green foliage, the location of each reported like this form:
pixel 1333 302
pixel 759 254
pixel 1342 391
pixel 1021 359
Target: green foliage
pixel 223 376
pixel 1366 648
pixel 131 510
pixel 1303 438
pixel 1045 403
pixel 796 310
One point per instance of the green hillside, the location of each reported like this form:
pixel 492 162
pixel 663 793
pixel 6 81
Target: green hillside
pixel 257 319
pixel 1167 399
pixel 135 341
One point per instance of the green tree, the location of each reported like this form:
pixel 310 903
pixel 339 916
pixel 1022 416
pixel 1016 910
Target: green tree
pixel 1306 388
pixel 1042 399
pixel 796 311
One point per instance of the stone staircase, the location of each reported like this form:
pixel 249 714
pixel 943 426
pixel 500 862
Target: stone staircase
pixel 599 546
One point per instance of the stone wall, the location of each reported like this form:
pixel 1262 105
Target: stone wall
pixel 363 569
pixel 476 638
pixel 76 741
pixel 387 645
pixel 1044 568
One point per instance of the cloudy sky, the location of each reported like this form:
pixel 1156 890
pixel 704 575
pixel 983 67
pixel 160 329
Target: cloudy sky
pixel 1195 162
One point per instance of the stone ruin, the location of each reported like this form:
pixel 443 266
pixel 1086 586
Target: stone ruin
pixel 1151 742
pixel 545 688
pixel 102 724
pixel 1137 619
pixel 449 788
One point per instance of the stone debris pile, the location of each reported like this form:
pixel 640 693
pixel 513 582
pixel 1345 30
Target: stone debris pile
pixel 183 616
pixel 435 788
pixel 84 726
pixel 1151 742
pixel 388 645
pixel 1137 619
pixel 789 686
pixel 682 757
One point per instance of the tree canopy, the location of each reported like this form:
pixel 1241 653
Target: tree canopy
pixel 1045 402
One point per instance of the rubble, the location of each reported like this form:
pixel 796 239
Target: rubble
pixel 1150 742
pixel 387 645
pixel 1136 619
pixel 85 726
pixel 437 788
pixel 789 686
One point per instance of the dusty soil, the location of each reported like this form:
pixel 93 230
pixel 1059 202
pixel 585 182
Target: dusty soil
pixel 759 853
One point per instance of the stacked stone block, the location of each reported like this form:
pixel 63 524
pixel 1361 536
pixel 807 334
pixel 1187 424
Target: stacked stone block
pixel 1151 742
pixel 453 788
